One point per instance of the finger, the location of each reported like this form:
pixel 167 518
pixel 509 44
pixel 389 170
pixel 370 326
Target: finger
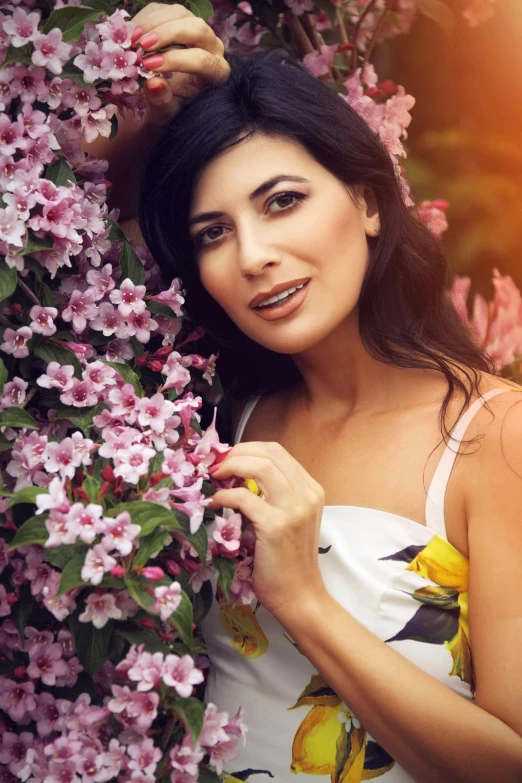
pixel 155 14
pixel 272 482
pixel 281 457
pixel 208 68
pixel 257 511
pixel 162 103
pixel 190 31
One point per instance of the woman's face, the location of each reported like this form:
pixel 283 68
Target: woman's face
pixel 302 226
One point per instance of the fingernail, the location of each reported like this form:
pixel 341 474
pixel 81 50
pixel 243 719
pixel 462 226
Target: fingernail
pixel 213 468
pixel 149 40
pixel 156 88
pixel 138 32
pixel 153 62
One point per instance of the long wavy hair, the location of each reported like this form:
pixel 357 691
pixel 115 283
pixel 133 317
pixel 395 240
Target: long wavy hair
pixel 405 315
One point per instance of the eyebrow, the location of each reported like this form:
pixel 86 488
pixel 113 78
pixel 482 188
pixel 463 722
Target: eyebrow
pixel 202 217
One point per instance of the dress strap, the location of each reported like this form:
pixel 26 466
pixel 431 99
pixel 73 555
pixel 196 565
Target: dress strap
pixel 247 410
pixel 439 483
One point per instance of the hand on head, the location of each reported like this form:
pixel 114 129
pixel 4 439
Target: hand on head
pixel 188 70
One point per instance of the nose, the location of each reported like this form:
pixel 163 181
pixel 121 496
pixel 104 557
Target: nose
pixel 254 252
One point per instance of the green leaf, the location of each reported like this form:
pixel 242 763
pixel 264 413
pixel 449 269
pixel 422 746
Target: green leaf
pixel 199 539
pixel 70 71
pixel 71 575
pixel 226 571
pixel 128 375
pixel 17 417
pixel 149 545
pixel 147 515
pixel 61 555
pixel 201 8
pixel 31 532
pixel 34 244
pixel 26 495
pixel 52 352
pixel 4 443
pixel 15 54
pixel 207 775
pixel 102 5
pixel 92 486
pixel 91 644
pixel 183 618
pixel 3 375
pixel 71 20
pixel 7 281
pixel 23 609
pixel 139 592
pixel 152 642
pixel 192 712
pixel 59 171
pixel 203 601
pixel 131 266
pixel 115 234
pixel 80 417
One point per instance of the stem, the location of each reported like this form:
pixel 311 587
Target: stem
pixel 374 38
pixel 167 731
pixel 371 5
pixel 301 40
pixel 341 25
pixel 29 397
pixel 28 291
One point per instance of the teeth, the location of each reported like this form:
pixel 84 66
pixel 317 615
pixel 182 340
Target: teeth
pixel 281 295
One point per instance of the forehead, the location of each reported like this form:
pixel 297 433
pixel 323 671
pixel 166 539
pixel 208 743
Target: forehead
pixel 241 168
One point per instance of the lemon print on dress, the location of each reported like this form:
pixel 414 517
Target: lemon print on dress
pixel 247 635
pixel 443 616
pixel 331 741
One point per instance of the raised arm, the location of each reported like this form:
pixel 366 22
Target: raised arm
pixel 198 64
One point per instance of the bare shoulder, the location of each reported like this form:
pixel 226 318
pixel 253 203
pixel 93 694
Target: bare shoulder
pixel 264 422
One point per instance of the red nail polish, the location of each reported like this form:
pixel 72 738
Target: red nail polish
pixel 153 62
pixel 213 468
pixel 149 40
pixel 138 32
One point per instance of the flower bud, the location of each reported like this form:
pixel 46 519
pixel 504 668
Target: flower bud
pixel 147 624
pixel 153 573
pixel 118 571
pixel 172 567
pixel 107 474
pixel 20 672
pixel 162 353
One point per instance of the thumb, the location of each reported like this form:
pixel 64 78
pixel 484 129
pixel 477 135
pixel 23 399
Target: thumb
pixel 162 103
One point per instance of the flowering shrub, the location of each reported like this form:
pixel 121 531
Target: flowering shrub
pixel 106 559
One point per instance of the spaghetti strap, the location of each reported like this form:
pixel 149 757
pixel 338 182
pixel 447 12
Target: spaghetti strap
pixel 247 410
pixel 437 492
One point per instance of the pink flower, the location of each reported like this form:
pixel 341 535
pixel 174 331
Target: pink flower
pixel 101 281
pixel 145 758
pixel 81 307
pixel 147 670
pixel 116 29
pixel 82 99
pixel 42 320
pixel 298 7
pixel 128 297
pixel 15 342
pixel 97 564
pixel 13 394
pixel 116 440
pixel 184 758
pixel 14 749
pixel 46 663
pixel 57 377
pixel 61 458
pixel 432 214
pixel 228 532
pixel 99 609
pixel 177 375
pixel 172 297
pixel 50 52
pixel 124 402
pixel 176 465
pixel 91 63
pixel 80 394
pixel 100 375
pixel 59 533
pixel 109 320
pixel 168 598
pixel 85 522
pixel 213 727
pixel 120 533
pixel 17 699
pixel 118 62
pixel 97 123
pixel 181 674
pixel 320 63
pixel 55 499
pixel 141 325
pixel 154 412
pixel 21 27
pixel 134 462
pixel 12 229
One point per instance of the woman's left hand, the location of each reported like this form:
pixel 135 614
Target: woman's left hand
pixel 286 521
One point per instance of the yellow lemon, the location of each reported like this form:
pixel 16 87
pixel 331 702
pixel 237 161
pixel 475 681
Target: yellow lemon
pixel 315 744
pixel 242 625
pixel 443 564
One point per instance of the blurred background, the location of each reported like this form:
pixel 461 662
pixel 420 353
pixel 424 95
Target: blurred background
pixel 465 139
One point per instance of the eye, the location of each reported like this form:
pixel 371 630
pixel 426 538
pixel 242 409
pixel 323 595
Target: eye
pixel 209 236
pixel 287 196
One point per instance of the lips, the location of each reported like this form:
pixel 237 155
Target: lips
pixel 277 289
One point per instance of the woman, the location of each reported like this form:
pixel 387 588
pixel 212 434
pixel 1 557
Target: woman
pixel 386 638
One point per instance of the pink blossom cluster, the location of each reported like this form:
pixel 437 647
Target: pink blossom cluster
pixel 496 325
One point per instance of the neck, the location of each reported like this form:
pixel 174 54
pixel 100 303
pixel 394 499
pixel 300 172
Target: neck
pixel 339 375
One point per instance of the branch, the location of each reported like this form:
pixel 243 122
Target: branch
pixel 374 38
pixel 28 291
pixel 301 40
pixel 371 5
pixel 341 25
